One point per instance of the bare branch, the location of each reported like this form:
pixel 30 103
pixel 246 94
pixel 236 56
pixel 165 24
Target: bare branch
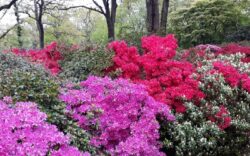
pixel 7 31
pixel 7 6
pixel 26 12
pixel 98 6
pixel 3 14
pixel 83 6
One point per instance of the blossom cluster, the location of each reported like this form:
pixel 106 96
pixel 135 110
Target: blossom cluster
pixel 219 125
pixel 23 131
pixel 167 80
pixel 234 48
pixel 228 49
pixel 48 57
pixel 222 118
pixel 121 116
pixel 233 76
pixel 223 83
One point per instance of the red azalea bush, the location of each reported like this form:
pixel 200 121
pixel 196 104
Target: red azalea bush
pixel 210 93
pixel 167 80
pixel 48 57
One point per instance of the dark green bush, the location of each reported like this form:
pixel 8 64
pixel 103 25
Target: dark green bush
pixel 206 22
pixel 24 81
pixel 242 34
pixel 78 65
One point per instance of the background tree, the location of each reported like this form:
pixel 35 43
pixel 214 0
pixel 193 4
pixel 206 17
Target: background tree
pixel 153 16
pixel 6 7
pixel 19 28
pixel 131 21
pixel 164 17
pixel 36 11
pixel 205 22
pixel 156 22
pixel 107 9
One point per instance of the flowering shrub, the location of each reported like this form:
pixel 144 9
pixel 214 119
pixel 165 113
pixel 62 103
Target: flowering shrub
pixel 48 57
pixel 24 81
pixel 235 48
pixel 221 123
pixel 120 115
pixel 167 80
pixel 195 53
pixel 23 131
pixel 210 93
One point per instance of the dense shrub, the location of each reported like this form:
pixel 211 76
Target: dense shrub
pixel 226 104
pixel 26 81
pixel 210 94
pixel 79 64
pixel 206 22
pixel 23 131
pixel 198 53
pixel 166 80
pixel 120 115
pixel 242 34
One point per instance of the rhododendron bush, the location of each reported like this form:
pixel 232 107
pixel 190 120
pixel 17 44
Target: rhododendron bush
pixel 121 116
pixel 48 57
pixel 23 131
pixel 167 80
pixel 210 94
pixel 194 53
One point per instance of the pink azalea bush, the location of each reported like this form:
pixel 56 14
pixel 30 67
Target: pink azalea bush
pixel 49 56
pixel 121 116
pixel 23 131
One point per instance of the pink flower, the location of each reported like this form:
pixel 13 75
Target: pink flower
pixel 121 116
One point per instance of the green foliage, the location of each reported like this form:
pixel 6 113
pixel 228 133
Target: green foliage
pixel 242 34
pixel 25 81
pixel 78 65
pixel 131 24
pixel 193 134
pixel 205 22
pixel 63 29
pixel 100 35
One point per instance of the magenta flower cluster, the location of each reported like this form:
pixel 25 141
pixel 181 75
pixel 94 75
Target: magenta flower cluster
pixel 23 131
pixel 121 116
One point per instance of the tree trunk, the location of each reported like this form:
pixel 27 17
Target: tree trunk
pixel 153 19
pixel 41 33
pixel 111 29
pixel 19 29
pixel 164 17
pixel 110 17
pixel 39 23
